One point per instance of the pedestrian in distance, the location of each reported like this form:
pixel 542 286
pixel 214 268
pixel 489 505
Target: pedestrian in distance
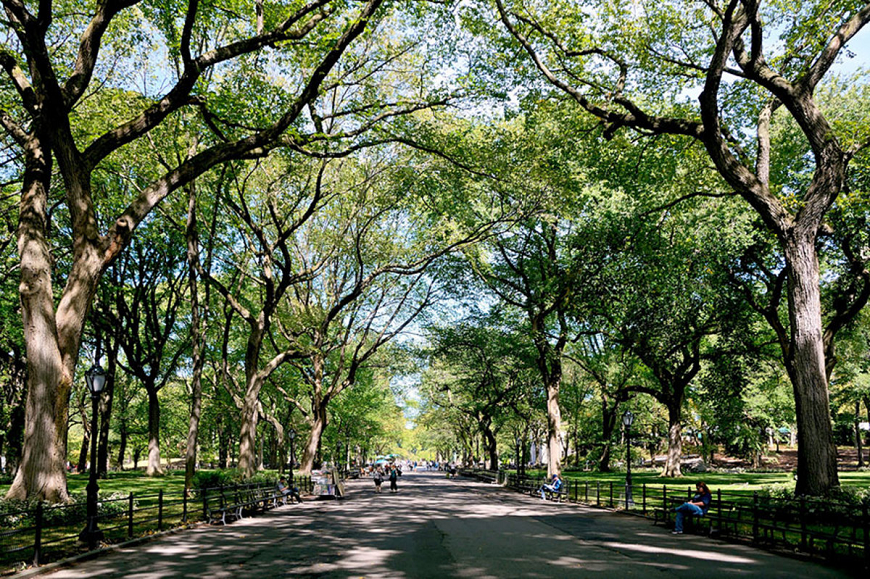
pixel 394 480
pixel 378 477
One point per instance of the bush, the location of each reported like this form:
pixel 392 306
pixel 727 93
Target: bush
pixel 23 513
pixel 206 479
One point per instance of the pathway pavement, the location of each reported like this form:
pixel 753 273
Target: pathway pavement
pixel 434 527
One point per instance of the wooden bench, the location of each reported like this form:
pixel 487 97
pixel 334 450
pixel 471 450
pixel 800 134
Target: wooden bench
pixel 718 517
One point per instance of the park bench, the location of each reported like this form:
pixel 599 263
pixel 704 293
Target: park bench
pixel 533 487
pixel 718 517
pixel 217 507
pixel 232 503
pixel 557 496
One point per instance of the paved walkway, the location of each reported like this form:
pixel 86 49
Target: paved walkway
pixel 439 528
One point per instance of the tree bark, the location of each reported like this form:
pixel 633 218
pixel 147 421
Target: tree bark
pixel 554 427
pixel 673 463
pixel 122 444
pixel 312 445
pixel 154 468
pixel 491 446
pixel 106 400
pixel 608 425
pixel 197 333
pixel 859 444
pixel 817 455
pixel 248 431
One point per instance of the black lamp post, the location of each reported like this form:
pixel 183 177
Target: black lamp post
pixel 627 419
pixel 292 436
pixel 96 380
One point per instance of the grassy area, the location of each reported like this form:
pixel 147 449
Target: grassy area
pixel 125 482
pixel 745 481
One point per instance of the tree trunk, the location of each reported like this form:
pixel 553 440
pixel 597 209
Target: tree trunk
pixel 223 443
pixel 491 446
pixel 41 474
pixel 675 443
pixel 312 445
pixel 817 456
pixel 106 400
pixel 608 424
pixel 82 466
pixel 196 337
pixel 122 444
pixel 554 427
pixel 248 433
pixel 859 445
pixel 154 467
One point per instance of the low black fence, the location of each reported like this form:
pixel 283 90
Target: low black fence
pixel 49 533
pixel 830 529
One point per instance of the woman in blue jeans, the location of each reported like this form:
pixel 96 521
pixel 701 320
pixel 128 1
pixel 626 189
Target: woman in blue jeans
pixel 697 506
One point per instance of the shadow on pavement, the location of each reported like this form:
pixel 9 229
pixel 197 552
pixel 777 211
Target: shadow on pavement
pixel 435 527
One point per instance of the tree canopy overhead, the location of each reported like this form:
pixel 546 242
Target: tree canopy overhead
pixel 633 183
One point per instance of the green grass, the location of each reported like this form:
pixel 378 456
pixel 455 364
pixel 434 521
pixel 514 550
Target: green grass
pixel 744 481
pixel 125 482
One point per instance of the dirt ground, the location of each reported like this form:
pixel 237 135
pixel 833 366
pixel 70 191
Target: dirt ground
pixel 786 459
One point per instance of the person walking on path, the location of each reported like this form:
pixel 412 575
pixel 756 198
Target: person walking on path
pixel 697 506
pixel 394 480
pixel 378 477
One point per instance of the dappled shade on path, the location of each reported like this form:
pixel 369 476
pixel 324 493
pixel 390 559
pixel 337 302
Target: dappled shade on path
pixel 439 528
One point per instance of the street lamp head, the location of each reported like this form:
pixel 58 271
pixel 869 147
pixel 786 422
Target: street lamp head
pixel 291 434
pixel 95 379
pixel 627 418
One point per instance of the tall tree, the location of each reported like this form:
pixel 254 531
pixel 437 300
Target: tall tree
pixel 761 60
pixel 53 138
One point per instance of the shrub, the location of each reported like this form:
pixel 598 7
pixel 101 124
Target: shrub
pixel 205 479
pixel 23 513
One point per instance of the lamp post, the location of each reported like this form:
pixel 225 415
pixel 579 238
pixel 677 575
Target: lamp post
pixel 627 419
pixel 96 380
pixel 292 436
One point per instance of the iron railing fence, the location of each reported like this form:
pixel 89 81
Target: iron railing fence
pixel 820 527
pixel 47 533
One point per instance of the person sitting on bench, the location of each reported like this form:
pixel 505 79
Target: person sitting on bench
pixel 285 490
pixel 553 487
pixel 697 506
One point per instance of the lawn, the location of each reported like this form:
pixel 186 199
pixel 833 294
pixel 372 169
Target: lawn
pixel 744 481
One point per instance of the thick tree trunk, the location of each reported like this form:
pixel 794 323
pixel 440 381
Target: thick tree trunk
pixel 491 446
pixel 675 443
pixel 248 434
pixel 312 445
pixel 608 425
pixel 817 456
pixel 554 427
pixel 41 474
pixel 154 467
